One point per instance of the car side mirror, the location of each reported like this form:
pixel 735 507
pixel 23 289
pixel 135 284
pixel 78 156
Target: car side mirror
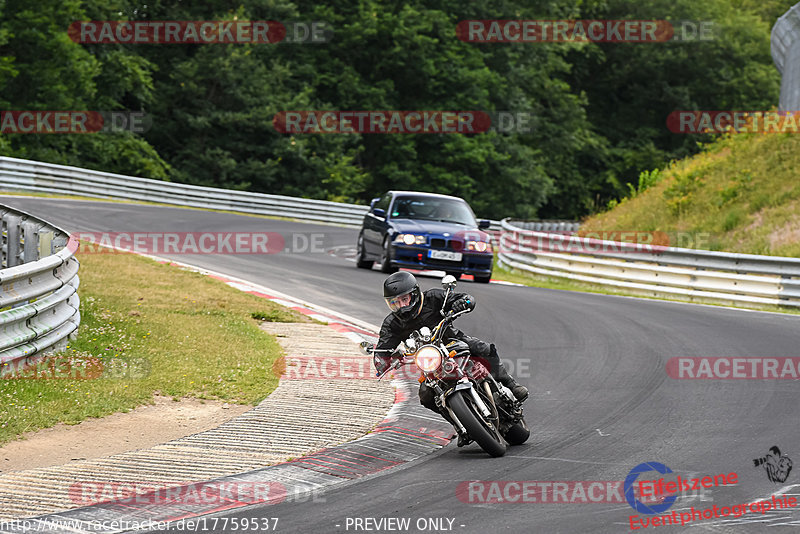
pixel 372 203
pixel 483 224
pixel 449 281
pixel 377 212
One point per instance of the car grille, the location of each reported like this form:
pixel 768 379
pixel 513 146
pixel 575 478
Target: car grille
pixel 438 243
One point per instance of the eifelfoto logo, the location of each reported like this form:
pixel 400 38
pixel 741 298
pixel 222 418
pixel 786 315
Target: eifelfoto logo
pixel 777 465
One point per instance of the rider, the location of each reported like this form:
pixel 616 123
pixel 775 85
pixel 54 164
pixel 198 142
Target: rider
pixel 412 309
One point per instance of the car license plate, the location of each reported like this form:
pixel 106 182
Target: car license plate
pixel 444 255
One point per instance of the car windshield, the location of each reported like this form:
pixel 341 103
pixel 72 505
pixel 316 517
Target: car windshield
pixel 433 209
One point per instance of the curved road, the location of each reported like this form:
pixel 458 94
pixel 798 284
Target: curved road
pixel 601 400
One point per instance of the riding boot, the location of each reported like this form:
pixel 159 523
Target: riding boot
pixel 502 376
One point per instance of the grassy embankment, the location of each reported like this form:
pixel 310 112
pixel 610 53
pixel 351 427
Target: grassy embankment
pixel 743 193
pixel 740 195
pixel 148 328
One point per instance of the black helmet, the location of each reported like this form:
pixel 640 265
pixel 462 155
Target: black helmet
pixel 395 288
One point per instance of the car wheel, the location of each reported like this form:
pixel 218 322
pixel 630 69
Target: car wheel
pixel 362 263
pixel 386 261
pixel 483 279
pixel 457 276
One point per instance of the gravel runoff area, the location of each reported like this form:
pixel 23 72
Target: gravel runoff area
pixel 300 417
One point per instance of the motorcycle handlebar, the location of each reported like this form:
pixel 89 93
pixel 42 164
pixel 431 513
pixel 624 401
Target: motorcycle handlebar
pixel 451 315
pixel 399 356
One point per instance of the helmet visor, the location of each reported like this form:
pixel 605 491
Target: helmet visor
pixel 399 302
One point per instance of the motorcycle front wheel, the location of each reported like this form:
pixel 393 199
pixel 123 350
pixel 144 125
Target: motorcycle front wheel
pixel 483 433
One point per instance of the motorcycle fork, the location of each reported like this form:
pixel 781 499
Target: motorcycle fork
pixel 442 404
pixel 495 415
pixel 455 419
pixel 479 403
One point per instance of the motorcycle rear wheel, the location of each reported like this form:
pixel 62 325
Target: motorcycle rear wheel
pixel 489 439
pixel 518 433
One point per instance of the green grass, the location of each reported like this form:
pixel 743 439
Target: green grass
pixel 153 329
pixel 740 195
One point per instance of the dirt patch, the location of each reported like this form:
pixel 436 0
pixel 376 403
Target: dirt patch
pixel 758 220
pixel 143 427
pixel 788 234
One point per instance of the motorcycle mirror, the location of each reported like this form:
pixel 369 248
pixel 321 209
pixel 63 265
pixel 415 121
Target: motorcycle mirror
pixel 366 347
pixel 449 281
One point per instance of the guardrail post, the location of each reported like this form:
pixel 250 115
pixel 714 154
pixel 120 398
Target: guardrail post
pixel 785 47
pixel 46 243
pixel 11 245
pixel 30 238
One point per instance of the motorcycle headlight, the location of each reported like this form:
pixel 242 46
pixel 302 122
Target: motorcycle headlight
pixel 479 246
pixel 428 359
pixel 410 239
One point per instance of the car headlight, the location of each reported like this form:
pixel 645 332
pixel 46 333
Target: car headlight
pixel 479 246
pixel 428 359
pixel 410 239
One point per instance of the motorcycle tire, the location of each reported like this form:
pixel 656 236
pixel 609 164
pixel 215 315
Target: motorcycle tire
pixel 518 433
pixel 489 440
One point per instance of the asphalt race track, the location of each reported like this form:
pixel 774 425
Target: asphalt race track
pixel 601 401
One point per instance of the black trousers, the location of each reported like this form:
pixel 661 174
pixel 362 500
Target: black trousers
pixel 479 349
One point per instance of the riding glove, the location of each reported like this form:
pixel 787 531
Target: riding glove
pixel 464 303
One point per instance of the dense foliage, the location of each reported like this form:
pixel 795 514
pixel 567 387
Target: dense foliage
pixel 599 109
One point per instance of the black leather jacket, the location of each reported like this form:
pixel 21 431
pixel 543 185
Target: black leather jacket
pixel 394 330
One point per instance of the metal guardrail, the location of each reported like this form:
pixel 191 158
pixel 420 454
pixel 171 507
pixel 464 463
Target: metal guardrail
pixel 25 175
pixel 651 269
pixel 39 305
pixel 555 226
pixel 34 176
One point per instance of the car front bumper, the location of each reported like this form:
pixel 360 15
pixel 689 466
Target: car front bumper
pixel 416 257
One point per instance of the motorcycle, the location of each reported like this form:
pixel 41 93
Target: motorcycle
pixel 478 406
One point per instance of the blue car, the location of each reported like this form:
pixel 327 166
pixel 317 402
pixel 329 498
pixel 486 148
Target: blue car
pixel 424 231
